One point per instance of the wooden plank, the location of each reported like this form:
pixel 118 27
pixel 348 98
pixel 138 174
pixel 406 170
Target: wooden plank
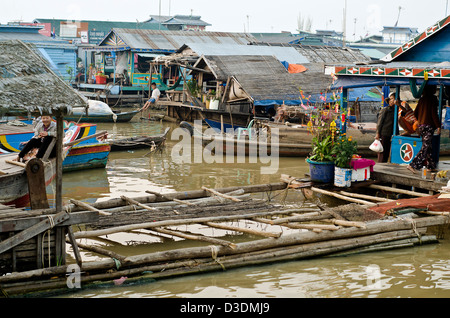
pixel 11 225
pixel 36 184
pixel 33 231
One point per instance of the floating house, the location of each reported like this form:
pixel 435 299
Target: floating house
pixel 123 57
pixel 423 60
pixel 180 22
pixel 61 55
pixel 253 80
pixel 90 31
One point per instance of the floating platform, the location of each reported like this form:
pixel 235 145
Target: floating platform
pixel 274 233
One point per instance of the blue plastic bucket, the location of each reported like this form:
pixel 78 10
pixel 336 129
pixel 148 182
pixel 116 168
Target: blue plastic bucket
pixel 321 171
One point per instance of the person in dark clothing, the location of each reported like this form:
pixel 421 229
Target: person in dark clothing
pixel 44 132
pixel 426 113
pixel 385 128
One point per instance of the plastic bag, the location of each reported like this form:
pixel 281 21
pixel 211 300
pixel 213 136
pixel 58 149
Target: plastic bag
pixel 376 146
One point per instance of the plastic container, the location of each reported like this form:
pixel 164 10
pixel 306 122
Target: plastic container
pixel 321 171
pixel 100 79
pixel 342 177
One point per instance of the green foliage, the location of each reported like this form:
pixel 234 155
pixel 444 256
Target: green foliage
pixel 193 87
pixel 343 150
pixel 322 149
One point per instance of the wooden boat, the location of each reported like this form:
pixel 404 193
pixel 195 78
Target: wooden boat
pixel 13 176
pixel 122 117
pixel 87 154
pixel 291 140
pixel 294 140
pixel 139 142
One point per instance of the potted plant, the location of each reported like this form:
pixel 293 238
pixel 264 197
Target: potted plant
pixel 214 100
pixel 343 151
pixel 321 162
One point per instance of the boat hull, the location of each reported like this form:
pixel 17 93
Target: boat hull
pixel 87 154
pixel 108 118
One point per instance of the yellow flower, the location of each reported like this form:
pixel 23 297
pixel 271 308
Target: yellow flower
pixel 350 138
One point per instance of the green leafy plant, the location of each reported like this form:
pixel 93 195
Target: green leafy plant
pixel 193 87
pixel 322 149
pixel 343 151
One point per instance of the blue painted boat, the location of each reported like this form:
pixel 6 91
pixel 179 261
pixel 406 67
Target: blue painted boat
pixel 87 154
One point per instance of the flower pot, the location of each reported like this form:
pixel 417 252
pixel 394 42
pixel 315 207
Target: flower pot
pixel 214 104
pixel 321 171
pixel 99 79
pixel 342 177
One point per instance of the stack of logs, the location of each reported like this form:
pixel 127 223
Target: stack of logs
pixel 312 233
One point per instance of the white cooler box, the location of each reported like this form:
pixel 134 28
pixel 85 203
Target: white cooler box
pixel 362 174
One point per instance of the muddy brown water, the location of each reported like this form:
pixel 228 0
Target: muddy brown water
pixel 419 272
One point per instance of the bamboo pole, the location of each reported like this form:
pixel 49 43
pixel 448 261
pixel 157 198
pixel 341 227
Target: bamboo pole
pixel 16 163
pixel 342 197
pixel 311 226
pixel 195 237
pixel 207 265
pixel 396 190
pixel 361 225
pixel 221 194
pixel 126 228
pixel 306 217
pixel 88 207
pixel 242 230
pixel 100 251
pixel 134 202
pixel 363 196
pixel 194 194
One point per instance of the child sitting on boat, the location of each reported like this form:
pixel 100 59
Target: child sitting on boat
pixel 44 132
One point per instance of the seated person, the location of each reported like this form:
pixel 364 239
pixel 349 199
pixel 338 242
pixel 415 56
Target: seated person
pixel 281 115
pixel 156 93
pixel 44 132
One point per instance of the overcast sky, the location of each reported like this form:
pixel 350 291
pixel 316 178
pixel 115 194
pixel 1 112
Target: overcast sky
pixel 242 15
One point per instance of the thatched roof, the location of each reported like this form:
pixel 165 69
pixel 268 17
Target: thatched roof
pixel 284 86
pixel 224 66
pixel 28 85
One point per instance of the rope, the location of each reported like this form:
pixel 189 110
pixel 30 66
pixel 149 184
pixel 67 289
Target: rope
pixel 414 228
pixel 118 264
pixel 214 252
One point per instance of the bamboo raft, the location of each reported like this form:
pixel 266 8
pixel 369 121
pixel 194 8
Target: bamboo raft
pixel 274 232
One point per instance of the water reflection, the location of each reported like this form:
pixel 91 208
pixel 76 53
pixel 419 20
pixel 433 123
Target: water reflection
pixel 414 272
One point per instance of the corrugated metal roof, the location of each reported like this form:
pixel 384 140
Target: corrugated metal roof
pixel 173 40
pixel 288 54
pixel 105 26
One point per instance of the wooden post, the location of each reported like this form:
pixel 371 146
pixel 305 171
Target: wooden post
pixel 36 184
pixel 59 161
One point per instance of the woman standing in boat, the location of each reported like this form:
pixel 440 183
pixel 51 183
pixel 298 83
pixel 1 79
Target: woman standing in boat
pixel 44 132
pixel 428 121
